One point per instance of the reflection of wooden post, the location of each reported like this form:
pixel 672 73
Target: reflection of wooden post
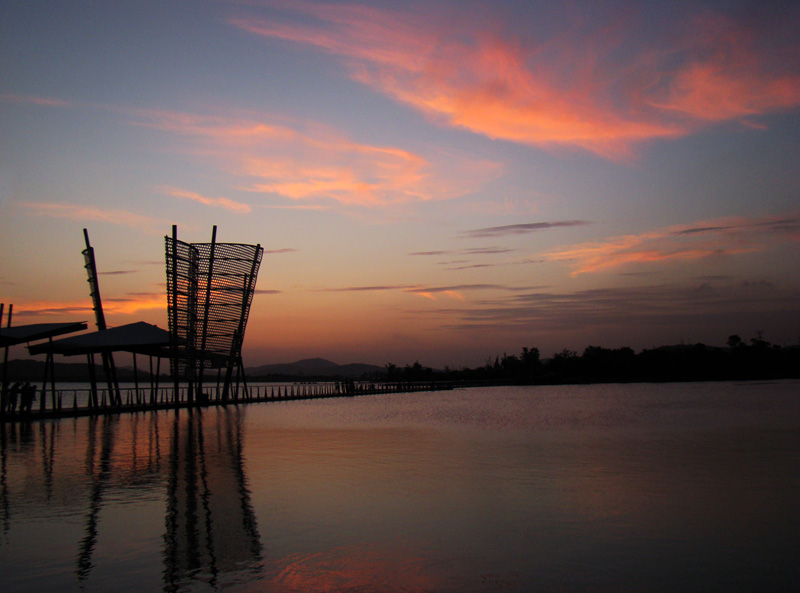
pixel 92 381
pixel 100 477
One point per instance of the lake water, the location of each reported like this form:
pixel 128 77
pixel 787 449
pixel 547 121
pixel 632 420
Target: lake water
pixel 633 488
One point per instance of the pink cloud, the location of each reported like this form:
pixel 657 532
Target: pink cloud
pixel 594 88
pixel 275 157
pixel 81 213
pixel 725 75
pixel 208 201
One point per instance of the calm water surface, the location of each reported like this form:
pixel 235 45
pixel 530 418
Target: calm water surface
pixel 646 488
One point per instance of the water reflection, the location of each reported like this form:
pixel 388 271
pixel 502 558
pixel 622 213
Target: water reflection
pixel 210 525
pixel 67 485
pixel 99 473
pixel 584 488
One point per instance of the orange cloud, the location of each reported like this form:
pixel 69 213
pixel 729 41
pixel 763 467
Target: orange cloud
pixel 219 202
pixel 686 242
pixel 595 89
pixel 134 303
pixel 47 308
pixel 111 306
pixel 454 294
pixel 84 213
pixel 318 163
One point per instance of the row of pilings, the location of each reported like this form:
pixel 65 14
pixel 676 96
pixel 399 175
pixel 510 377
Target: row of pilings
pixel 66 402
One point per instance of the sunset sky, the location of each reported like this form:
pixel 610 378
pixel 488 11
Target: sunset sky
pixel 432 181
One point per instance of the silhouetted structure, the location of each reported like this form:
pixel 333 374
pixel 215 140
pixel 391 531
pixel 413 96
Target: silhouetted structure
pixel 100 319
pixel 210 288
pixel 12 336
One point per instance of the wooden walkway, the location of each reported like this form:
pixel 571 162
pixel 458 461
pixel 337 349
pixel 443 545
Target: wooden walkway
pixel 66 402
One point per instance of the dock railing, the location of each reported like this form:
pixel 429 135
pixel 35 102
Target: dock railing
pixel 81 401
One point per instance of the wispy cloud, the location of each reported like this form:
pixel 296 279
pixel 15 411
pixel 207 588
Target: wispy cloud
pixel 124 305
pixel 369 288
pixel 469 251
pixel 471 267
pixel 81 213
pixel 616 310
pixel 521 229
pixel 456 291
pixel 461 288
pixel 488 250
pixel 294 206
pixel 304 161
pixel 730 72
pixel 430 292
pixel 466 264
pixel 694 241
pixel 47 308
pixel 32 100
pixel 431 253
pixel 220 202
pixel 133 303
pixel 589 86
pixel 277 251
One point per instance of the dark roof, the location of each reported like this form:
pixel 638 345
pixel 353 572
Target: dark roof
pixel 139 337
pixel 10 336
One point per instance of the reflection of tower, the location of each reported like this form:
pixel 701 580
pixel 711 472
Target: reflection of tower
pixel 210 526
pixel 100 474
pixel 5 514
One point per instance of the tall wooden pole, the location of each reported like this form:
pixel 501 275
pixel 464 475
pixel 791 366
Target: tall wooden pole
pixel 97 304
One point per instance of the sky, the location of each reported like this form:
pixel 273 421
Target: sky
pixel 441 182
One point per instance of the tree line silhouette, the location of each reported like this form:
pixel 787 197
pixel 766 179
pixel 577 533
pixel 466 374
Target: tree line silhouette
pixel 756 360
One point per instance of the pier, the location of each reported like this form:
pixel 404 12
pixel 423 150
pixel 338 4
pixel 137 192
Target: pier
pixel 66 402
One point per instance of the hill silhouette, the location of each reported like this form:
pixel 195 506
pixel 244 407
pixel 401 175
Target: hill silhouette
pixel 312 368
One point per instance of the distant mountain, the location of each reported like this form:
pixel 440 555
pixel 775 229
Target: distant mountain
pixel 312 367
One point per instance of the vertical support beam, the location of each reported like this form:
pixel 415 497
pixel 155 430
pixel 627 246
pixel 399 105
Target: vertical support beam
pixel 206 308
pixel 52 378
pixel 48 364
pixel 97 304
pixel 235 358
pixel 135 377
pixel 155 385
pixel 174 334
